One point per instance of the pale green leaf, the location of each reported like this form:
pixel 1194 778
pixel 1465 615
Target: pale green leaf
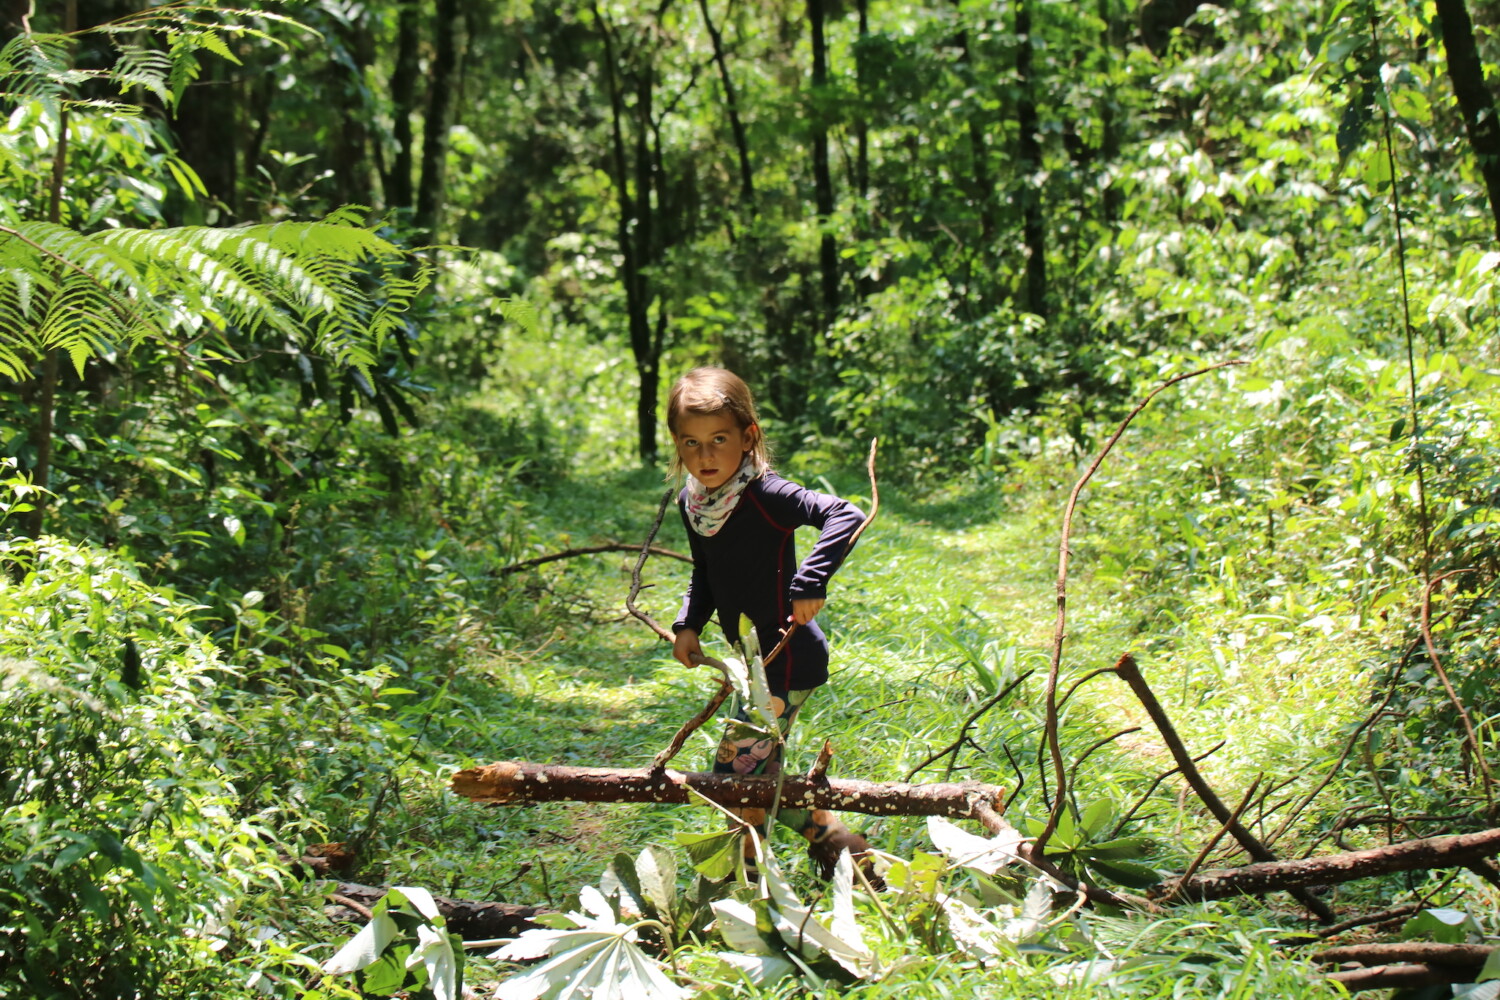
pixel 758 970
pixel 987 855
pixel 364 948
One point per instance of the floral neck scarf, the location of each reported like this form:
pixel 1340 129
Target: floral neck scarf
pixel 708 509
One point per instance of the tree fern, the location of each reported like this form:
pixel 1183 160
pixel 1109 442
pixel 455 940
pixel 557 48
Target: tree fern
pixel 332 290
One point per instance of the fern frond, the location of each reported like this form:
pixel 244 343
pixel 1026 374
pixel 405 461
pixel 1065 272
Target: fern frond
pixel 335 287
pixel 147 68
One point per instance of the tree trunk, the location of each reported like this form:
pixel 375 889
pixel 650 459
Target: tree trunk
pixel 207 129
pixel 828 259
pixel 353 181
pixel 633 232
pixel 861 125
pixel 1474 100
pixel 1034 233
pixel 1383 953
pixel 1401 977
pixel 732 110
pixel 979 149
pixel 443 82
pixel 1112 41
pixel 518 782
pixel 1273 876
pixel 404 75
pixel 45 397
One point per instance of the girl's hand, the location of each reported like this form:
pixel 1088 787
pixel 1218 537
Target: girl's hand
pixel 686 646
pixel 805 608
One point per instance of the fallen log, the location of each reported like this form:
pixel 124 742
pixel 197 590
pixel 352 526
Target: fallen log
pixel 1423 952
pixel 516 782
pixel 470 920
pixel 1392 977
pixel 1274 876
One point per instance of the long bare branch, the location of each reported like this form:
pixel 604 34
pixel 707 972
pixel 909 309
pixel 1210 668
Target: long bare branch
pixel 1131 674
pixel 1059 630
pixel 635 574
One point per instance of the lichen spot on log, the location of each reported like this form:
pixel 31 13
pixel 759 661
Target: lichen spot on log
pixel 541 779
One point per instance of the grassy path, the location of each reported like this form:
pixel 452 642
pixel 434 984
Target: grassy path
pixel 943 601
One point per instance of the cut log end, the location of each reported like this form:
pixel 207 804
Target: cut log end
pixel 497 784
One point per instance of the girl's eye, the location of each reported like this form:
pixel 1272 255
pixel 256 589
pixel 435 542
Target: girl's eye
pixel 720 439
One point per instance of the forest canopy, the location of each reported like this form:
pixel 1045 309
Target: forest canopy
pixel 334 347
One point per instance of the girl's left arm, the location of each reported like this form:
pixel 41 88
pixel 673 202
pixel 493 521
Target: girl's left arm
pixel 836 520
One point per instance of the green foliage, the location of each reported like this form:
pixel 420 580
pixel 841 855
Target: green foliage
pixel 129 865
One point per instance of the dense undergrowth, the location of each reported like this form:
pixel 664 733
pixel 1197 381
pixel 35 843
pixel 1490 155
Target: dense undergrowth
pixel 1250 542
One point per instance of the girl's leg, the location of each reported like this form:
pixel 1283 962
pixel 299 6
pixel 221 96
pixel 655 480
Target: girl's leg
pixel 746 751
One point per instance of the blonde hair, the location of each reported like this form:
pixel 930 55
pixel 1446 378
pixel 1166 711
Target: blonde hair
pixel 709 391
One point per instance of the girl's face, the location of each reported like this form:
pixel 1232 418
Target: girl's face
pixel 712 446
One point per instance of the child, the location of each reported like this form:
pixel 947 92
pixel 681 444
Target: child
pixel 740 516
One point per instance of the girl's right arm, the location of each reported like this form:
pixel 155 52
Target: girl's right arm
pixel 697 605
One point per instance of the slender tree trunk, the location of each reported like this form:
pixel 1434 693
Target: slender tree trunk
pixel 732 109
pixel 828 259
pixel 517 782
pixel 1033 227
pixel 45 399
pixel 443 82
pixel 634 214
pixel 1112 42
pixel 1474 100
pixel 353 178
pixel 398 184
pixel 861 125
pixel 979 149
pixel 646 342
pixel 1456 851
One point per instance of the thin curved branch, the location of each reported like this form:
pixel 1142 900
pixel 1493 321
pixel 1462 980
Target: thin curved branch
pixel 1213 841
pixel 1060 629
pixel 1151 789
pixel 1463 712
pixel 1348 749
pixel 1103 741
pixel 659 762
pixel 588 550
pixel 635 573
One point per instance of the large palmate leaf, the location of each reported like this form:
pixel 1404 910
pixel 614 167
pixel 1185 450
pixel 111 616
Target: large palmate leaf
pixel 597 958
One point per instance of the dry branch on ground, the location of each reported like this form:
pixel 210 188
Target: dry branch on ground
pixel 1273 876
pixel 470 920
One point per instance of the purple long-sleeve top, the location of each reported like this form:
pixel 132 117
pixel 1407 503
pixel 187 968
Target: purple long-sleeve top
pixel 750 567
